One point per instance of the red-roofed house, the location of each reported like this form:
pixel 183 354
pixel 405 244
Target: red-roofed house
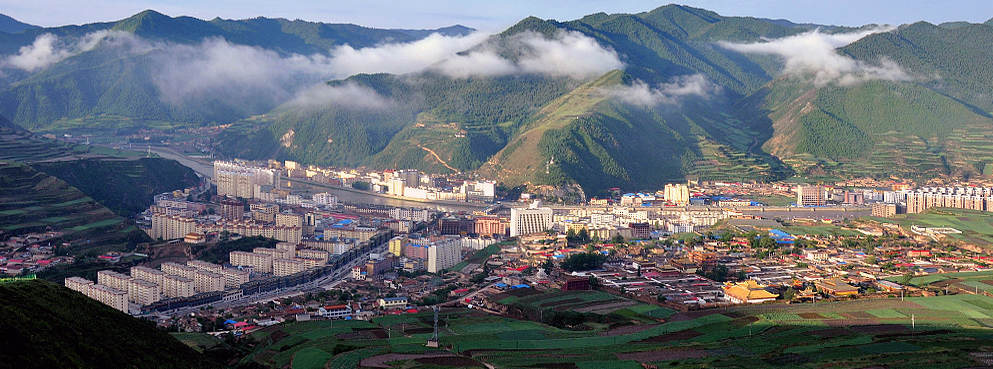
pixel 335 311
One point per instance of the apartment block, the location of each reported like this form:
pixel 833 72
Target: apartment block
pixel 203 265
pixel 112 297
pixel 262 263
pixel 204 281
pixel 143 292
pixel 811 196
pixel 234 278
pixel 311 263
pixel 883 210
pixel 264 212
pixel 148 274
pixel 678 194
pixel 169 227
pixel 81 285
pixel 113 280
pixel 321 255
pixel 179 269
pixel 396 245
pixel 275 253
pixel 285 267
pixel 444 254
pixel 290 249
pixel 176 286
pixel 232 209
pixel 289 220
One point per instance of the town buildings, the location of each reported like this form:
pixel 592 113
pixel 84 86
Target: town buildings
pixel 261 263
pixel 533 219
pixel 677 194
pixel 811 196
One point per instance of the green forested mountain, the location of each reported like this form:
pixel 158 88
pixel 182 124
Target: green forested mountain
pixel 11 25
pixel 683 105
pixel 50 326
pixel 119 80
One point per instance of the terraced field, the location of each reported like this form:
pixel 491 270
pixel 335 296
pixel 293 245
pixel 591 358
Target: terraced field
pixel 32 201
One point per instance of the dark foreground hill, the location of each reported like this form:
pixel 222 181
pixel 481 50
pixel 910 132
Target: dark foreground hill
pixel 49 326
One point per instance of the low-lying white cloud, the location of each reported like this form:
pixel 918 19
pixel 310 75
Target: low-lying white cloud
pixel 400 58
pixel 348 95
pixel 218 69
pixel 221 76
pixel 815 53
pixel 48 49
pixel 672 93
pixel 569 54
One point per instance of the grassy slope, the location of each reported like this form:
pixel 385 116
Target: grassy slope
pixel 124 186
pixel 50 326
pixel 841 334
pixel 103 82
pixel 873 128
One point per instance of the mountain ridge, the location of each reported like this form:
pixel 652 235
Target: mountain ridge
pixel 10 25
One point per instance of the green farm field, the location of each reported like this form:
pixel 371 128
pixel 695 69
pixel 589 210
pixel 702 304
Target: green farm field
pixel 976 226
pixel 938 332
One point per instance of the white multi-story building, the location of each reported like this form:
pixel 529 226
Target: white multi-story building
pixel 234 278
pixel 239 180
pixel 81 285
pixel 444 254
pixel 289 249
pixel 178 269
pixel 325 199
pixel 676 193
pixel 143 292
pixel 335 311
pixel 285 267
pixel 275 253
pixel 169 227
pixel 148 274
pixel 205 281
pixel 176 286
pixel 533 219
pixel 203 265
pixel 261 263
pixel 110 296
pixel 321 255
pixel 811 195
pixel 113 279
pixel 415 215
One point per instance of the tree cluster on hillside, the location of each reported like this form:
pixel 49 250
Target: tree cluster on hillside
pixel 583 261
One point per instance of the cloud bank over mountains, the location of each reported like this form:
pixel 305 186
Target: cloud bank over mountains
pixel 815 53
pixel 218 69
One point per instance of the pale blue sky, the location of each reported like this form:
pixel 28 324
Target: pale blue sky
pixel 493 15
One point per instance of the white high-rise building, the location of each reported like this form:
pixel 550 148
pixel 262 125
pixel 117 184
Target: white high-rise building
pixel 240 180
pixel 533 219
pixel 678 194
pixel 811 195
pixel 444 254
